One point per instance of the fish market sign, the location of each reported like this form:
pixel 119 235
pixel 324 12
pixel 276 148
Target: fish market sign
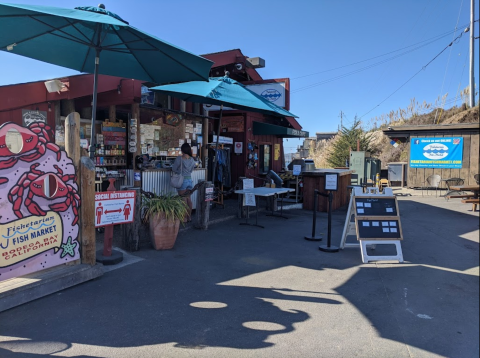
pixel 436 152
pixel 273 92
pixel 30 116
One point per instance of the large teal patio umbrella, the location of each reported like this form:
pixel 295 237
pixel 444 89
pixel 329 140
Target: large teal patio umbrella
pixel 94 40
pixel 223 91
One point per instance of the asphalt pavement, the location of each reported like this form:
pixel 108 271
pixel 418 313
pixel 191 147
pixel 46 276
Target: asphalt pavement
pixel 244 291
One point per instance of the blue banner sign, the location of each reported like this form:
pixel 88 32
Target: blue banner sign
pixel 436 152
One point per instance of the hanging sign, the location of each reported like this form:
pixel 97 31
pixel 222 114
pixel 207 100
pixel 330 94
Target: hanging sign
pixel 29 116
pixel 114 207
pixel 209 196
pixel 173 119
pixel 238 147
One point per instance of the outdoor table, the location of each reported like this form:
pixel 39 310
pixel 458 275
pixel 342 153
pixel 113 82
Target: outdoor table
pixel 265 192
pixel 473 188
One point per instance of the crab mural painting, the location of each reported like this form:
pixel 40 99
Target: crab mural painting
pixel 39 201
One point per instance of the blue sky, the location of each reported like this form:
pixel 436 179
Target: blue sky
pixel 316 43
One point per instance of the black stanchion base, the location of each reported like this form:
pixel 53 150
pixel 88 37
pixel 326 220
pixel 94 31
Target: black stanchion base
pixel 326 248
pixel 116 257
pixel 313 238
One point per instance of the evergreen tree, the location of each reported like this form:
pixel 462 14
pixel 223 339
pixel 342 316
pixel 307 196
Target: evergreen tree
pixel 347 139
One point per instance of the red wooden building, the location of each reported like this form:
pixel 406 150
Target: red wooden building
pixel 266 133
pixel 120 97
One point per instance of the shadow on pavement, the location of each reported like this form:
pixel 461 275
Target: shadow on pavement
pixel 221 288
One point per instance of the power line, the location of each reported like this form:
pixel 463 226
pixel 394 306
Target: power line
pixel 423 68
pixel 435 38
pixel 448 62
pixel 362 69
pixel 374 83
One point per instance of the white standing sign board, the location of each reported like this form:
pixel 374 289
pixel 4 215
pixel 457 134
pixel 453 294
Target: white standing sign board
pixel 297 169
pixel 351 229
pixel 331 181
pixel 248 199
pixel 114 207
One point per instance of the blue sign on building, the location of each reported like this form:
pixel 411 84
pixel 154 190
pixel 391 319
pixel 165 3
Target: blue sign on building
pixel 436 152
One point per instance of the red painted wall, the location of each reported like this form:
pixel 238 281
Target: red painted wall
pixel 239 161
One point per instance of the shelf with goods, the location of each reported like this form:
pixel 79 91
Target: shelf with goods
pixel 111 151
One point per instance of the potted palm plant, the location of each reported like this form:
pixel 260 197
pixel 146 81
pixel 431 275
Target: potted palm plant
pixel 164 214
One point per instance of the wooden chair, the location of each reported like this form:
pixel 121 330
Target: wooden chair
pixel 384 183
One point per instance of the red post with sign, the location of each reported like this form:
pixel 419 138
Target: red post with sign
pixel 112 208
pixel 108 236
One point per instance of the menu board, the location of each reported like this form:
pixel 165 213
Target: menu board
pixel 378 228
pixel 376 206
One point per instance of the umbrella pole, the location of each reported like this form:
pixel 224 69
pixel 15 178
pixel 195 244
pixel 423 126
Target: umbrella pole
pixel 216 145
pixel 94 105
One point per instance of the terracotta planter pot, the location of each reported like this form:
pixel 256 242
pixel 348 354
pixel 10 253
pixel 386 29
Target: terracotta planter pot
pixel 163 233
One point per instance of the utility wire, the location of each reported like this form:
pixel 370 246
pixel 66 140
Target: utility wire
pixel 422 69
pixel 362 68
pixel 448 62
pixel 374 83
pixel 431 39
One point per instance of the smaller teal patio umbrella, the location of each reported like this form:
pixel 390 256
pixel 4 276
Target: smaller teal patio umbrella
pixel 223 91
pixel 94 40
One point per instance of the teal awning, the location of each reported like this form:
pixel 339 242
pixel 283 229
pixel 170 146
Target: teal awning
pixel 282 132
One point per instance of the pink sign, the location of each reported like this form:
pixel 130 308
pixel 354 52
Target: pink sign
pixel 114 207
pixel 39 201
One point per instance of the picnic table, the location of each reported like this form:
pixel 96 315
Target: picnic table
pixel 475 189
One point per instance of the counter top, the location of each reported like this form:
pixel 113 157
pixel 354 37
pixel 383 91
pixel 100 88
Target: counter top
pixel 322 172
pixel 166 169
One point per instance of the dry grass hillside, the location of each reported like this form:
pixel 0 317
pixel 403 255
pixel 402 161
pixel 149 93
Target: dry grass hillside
pixel 386 152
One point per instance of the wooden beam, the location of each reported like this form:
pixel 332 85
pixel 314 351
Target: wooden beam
pixel 112 113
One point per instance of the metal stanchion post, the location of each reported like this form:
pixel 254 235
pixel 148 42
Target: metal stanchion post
pixel 313 237
pixel 329 247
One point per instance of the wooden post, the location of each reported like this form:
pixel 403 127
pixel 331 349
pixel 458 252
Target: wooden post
pixel 132 231
pixel 204 144
pixel 87 211
pixel 72 138
pixel 72 147
pixel 112 113
pixel 136 115
pixel 203 207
